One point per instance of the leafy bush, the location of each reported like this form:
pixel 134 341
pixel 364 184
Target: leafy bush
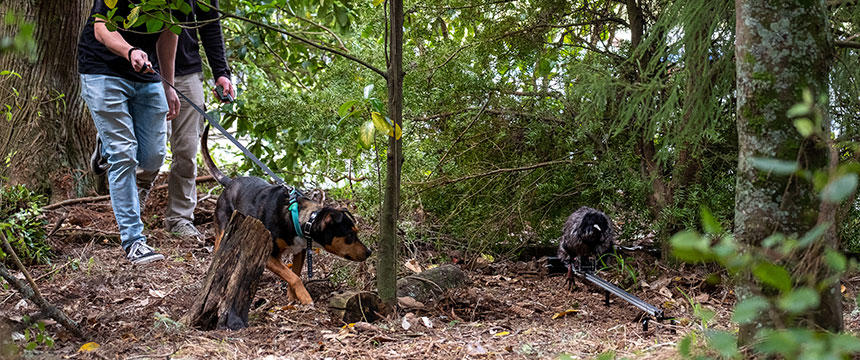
pixel 789 297
pixel 22 224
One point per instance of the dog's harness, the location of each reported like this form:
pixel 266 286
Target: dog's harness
pixel 295 194
pixel 303 230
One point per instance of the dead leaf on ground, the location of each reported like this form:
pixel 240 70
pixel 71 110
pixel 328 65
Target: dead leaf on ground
pixel 409 302
pixel 89 347
pixel 475 350
pixel 520 311
pixel 407 321
pixel 413 265
pixel 427 323
pixel 365 326
pixel 564 313
pixel 665 292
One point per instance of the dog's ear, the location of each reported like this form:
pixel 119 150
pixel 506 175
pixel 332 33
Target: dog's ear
pixel 331 216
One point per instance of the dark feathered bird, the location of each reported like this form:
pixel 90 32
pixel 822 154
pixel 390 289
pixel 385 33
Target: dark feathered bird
pixel 587 232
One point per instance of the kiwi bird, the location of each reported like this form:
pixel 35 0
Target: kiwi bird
pixel 587 232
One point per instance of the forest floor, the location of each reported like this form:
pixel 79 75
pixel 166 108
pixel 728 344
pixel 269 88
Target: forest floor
pixel 509 309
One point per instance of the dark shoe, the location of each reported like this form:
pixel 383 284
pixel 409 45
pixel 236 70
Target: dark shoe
pixel 142 197
pixel 98 164
pixel 140 253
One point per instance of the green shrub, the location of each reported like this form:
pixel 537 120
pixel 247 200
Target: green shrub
pixel 23 225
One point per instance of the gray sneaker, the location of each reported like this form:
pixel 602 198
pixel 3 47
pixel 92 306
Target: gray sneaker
pixel 186 229
pixel 140 253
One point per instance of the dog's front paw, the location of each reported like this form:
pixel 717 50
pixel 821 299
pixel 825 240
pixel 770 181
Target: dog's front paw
pixel 301 295
pixel 305 298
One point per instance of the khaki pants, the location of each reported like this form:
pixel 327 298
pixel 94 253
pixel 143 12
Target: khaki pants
pixel 184 135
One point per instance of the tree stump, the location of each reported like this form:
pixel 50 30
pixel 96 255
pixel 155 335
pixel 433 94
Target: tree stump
pixel 233 275
pixel 355 306
pixel 430 284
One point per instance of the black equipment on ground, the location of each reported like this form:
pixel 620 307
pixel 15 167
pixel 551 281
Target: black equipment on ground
pixel 649 311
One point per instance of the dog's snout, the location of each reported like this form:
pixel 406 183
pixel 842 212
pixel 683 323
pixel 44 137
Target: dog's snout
pixel 367 253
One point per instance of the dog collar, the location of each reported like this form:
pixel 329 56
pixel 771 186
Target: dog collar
pixel 301 230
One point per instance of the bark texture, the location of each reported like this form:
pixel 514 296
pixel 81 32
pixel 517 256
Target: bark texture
pixel 782 48
pixel 233 275
pixel 388 244
pixel 51 134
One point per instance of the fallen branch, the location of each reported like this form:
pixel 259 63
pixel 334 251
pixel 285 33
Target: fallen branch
pixel 32 292
pixel 91 199
pixel 91 232
pixel 76 201
pixel 848 44
pixel 494 172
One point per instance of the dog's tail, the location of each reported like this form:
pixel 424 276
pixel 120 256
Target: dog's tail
pixel 207 159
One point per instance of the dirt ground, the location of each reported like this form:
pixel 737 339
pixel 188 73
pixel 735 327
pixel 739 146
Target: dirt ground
pixel 509 309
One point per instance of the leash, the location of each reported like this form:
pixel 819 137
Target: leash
pixel 295 194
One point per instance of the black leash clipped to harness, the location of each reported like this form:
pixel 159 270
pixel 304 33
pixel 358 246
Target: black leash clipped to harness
pixel 303 230
pixel 295 194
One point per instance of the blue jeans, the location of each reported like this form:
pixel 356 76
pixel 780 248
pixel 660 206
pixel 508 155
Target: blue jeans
pixel 130 119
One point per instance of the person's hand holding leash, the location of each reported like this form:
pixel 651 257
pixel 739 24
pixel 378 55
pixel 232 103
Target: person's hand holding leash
pixel 139 60
pixel 225 83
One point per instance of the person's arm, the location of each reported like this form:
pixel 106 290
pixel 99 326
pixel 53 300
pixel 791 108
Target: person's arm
pixel 166 48
pixel 212 38
pixel 117 45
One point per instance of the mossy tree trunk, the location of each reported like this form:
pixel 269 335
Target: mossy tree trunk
pixel 387 271
pixel 50 135
pixel 782 48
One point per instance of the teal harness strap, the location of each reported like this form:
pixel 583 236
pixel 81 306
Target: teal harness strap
pixel 294 212
pixel 294 209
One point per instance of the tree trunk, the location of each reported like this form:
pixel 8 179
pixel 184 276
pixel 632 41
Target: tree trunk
pixel 232 278
pixel 51 134
pixel 782 48
pixel 388 244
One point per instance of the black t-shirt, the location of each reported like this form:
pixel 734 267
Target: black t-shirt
pixel 95 58
pixel 188 51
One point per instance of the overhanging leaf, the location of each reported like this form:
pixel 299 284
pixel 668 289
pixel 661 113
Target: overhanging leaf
pixel 776 166
pixel 132 17
pixel 367 90
pixel 773 275
pixel 839 189
pixel 380 123
pixel 748 310
pixel 691 247
pixel 110 3
pixel 396 133
pixel 365 134
pixel 724 342
pixel 804 126
pixel 343 111
pixel 153 25
pixel 798 110
pixel 799 300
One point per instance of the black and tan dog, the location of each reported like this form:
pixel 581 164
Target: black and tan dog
pixel 332 229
